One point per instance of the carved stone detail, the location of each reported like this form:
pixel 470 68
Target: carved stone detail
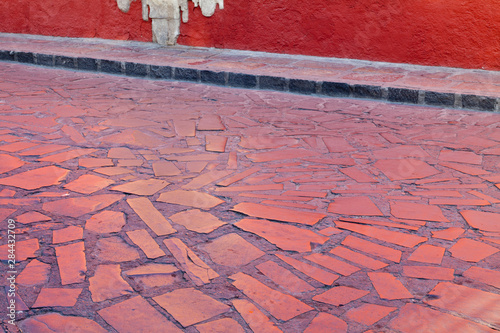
pixel 166 15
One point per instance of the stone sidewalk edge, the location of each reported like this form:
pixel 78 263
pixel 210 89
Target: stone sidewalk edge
pixel 250 81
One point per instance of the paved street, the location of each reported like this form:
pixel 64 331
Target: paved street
pixel 166 206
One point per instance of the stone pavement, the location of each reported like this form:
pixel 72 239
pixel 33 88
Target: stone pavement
pixel 436 86
pixel 164 206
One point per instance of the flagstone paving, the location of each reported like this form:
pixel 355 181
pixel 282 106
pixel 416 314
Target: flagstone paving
pixel 163 206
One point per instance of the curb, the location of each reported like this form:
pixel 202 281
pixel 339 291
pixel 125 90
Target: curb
pixel 262 82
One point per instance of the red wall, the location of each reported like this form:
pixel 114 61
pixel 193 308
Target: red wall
pixel 457 33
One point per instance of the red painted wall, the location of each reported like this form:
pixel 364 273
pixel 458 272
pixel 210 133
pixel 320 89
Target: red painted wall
pixel 457 33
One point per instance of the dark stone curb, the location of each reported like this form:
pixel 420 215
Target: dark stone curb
pixel 251 81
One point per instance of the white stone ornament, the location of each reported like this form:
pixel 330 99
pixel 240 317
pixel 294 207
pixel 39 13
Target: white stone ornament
pixel 166 15
pixel 208 6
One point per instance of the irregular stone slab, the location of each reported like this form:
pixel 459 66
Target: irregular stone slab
pixel 142 187
pixel 257 320
pixel 416 211
pixel 206 179
pixel 284 278
pixel 54 322
pixel 471 250
pixel 199 272
pixel 121 153
pixel 262 187
pixel 116 250
pixel 429 272
pixel 151 216
pixel 215 143
pixel 405 169
pixel 191 158
pixel 358 258
pixel 277 213
pixel 133 315
pixel 32 217
pixel 400 151
pixel 428 253
pixel 34 273
pixel 113 171
pixel 394 237
pixel 151 269
pixel 66 155
pixel 6 212
pixel 340 295
pixel 185 127
pixel 388 287
pixel 146 243
pixel 76 207
pixel 197 220
pixel 190 198
pixel 67 234
pixel 57 297
pixel 266 142
pixel 337 145
pixel 190 306
pixel 369 314
pixel 332 264
pixel 165 168
pixel 231 250
pixel 24 249
pixel 448 234
pixel 92 162
pixel 71 263
pixel 281 306
pixel 460 156
pixel 326 323
pixel 488 276
pixel 467 301
pixel 474 171
pixel 316 273
pixel 7 193
pixel 154 275
pixel 88 184
pixel 210 123
pixel 16 146
pixel 134 138
pixel 175 150
pixel 286 154
pixel 42 150
pixel 238 177
pixel 482 220
pixel 354 206
pixel 286 237
pixel 107 283
pixel 37 178
pixel 105 222
pixel 195 167
pixel 8 163
pixel 413 318
pixel 221 325
pixel 459 202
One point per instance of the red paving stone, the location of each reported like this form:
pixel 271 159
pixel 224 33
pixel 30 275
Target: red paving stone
pixel 280 306
pixel 470 302
pixel 190 306
pixel 56 322
pixel 325 323
pixel 388 287
pixel 284 236
pixel 256 320
pixel 340 295
pixel 172 250
pixel 49 297
pixel 369 314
